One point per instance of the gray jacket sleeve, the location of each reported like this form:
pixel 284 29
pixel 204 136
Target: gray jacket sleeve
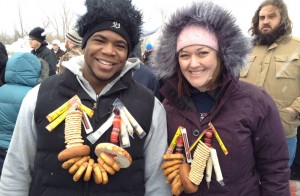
pixel 18 164
pixel 154 149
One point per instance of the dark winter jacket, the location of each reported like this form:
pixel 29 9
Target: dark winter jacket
pixel 145 76
pixel 245 117
pixel 49 178
pixel 46 54
pixel 249 125
pixel 58 54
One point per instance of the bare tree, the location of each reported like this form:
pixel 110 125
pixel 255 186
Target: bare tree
pixel 61 21
pixel 19 27
pixel 46 21
pixel 20 20
pixel 6 38
pixel 66 16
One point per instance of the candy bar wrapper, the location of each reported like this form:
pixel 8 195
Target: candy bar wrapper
pixel 137 128
pixel 216 165
pixel 57 121
pixel 93 137
pixel 186 145
pixel 124 136
pixel 209 167
pixel 126 122
pixel 62 109
pixel 86 123
pixel 174 141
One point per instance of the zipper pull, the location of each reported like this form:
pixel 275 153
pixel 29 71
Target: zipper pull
pixel 95 106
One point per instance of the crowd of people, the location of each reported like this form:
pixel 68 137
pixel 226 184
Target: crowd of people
pixel 205 111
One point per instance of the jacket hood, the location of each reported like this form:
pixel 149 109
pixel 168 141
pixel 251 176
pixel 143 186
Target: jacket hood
pixel 76 64
pixel 23 69
pixel 233 45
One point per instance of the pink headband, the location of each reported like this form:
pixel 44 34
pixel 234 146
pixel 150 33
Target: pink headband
pixel 194 35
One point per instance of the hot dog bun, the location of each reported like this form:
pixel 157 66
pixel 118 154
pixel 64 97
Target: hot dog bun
pixel 77 151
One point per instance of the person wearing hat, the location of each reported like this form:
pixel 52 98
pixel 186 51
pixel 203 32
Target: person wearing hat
pixel 235 140
pixel 102 81
pixel 37 42
pixel 147 53
pixel 57 50
pixel 73 45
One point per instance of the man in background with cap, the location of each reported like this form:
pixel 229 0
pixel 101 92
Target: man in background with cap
pixel 37 42
pixel 73 47
pixel 57 50
pixel 100 78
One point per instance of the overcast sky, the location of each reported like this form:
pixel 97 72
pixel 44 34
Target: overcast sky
pixel 33 10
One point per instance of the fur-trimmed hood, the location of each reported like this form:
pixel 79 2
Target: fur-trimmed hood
pixel 233 45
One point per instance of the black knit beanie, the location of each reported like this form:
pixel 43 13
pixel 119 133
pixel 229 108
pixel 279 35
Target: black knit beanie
pixel 37 34
pixel 119 16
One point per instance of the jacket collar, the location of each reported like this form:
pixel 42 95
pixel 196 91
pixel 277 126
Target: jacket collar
pixel 70 84
pixel 185 104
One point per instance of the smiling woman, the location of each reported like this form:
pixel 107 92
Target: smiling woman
pixel 209 105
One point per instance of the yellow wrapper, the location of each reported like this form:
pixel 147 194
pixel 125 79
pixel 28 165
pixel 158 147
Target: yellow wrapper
pixel 87 110
pixel 53 115
pixel 218 138
pixel 174 141
pixel 56 122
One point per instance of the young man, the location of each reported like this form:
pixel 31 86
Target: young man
pixel 274 64
pixel 37 42
pixel 110 30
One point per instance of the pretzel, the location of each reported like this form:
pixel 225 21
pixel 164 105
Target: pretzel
pixel 67 164
pixel 80 171
pixel 177 187
pixel 76 166
pixel 105 166
pixel 171 169
pixel 104 175
pixel 97 173
pixel 171 176
pixel 171 163
pixel 89 170
pixel 110 161
pixel 173 156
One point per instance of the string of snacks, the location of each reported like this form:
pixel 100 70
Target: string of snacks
pixel 173 161
pixel 204 158
pixel 111 157
pixel 119 115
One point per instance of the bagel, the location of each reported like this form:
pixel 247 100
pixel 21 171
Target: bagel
pixel 188 186
pixel 118 154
